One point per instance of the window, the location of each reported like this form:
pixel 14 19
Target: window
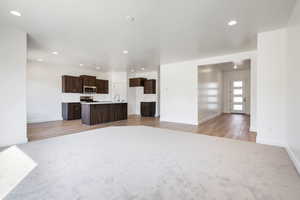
pixel 237 100
pixel 238 91
pixel 238 107
pixel 237 83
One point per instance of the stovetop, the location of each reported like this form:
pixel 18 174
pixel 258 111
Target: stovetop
pixel 89 101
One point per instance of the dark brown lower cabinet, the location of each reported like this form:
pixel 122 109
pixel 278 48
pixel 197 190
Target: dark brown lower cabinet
pixel 93 114
pixel 148 109
pixel 71 111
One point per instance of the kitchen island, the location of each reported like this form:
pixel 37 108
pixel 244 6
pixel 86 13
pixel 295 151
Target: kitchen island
pixel 102 112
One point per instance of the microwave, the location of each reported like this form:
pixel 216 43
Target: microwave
pixel 89 89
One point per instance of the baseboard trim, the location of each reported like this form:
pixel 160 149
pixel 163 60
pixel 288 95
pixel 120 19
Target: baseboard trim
pixel 26 139
pixel 293 158
pixel 43 120
pixel 270 142
pixel 253 129
pixel 16 143
pixel 290 152
pixel 177 121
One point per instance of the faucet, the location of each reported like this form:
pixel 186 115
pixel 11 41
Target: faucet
pixel 117 98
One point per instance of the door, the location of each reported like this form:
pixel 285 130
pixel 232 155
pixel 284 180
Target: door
pixel 238 97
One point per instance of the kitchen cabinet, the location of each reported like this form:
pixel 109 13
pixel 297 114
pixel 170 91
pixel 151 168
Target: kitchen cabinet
pixel 88 80
pixel 136 82
pixel 148 109
pixel 118 112
pixel 93 113
pixel 71 84
pixel 150 86
pixel 71 111
pixel 102 86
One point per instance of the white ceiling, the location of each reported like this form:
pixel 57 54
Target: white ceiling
pixel 95 32
pixel 229 66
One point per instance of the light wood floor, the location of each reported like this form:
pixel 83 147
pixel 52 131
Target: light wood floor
pixel 234 126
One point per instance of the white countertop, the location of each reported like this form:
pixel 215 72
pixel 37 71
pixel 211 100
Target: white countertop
pixel 102 102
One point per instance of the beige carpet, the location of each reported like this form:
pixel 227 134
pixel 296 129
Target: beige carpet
pixel 143 163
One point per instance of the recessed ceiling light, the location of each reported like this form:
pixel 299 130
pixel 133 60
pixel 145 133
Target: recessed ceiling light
pixel 55 52
pixel 130 18
pixel 16 13
pixel 98 68
pixel 232 23
pixel 143 68
pixel 40 60
pixel 206 70
pixel 125 52
pixel 80 65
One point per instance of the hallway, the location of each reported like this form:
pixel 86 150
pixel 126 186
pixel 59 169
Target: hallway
pixel 234 126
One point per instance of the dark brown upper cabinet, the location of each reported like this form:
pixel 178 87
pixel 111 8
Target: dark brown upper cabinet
pixel 88 80
pixel 150 86
pixel 71 84
pixel 102 86
pixel 136 82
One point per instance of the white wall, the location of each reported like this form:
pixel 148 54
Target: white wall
pixel 230 76
pixel 210 92
pixel 118 85
pixel 44 89
pixel 136 94
pixel 270 86
pixel 253 94
pixel 292 86
pixel 278 87
pixel 179 93
pixel 179 96
pixel 13 55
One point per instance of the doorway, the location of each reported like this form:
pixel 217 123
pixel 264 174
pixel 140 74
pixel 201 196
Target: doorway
pixel 224 88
